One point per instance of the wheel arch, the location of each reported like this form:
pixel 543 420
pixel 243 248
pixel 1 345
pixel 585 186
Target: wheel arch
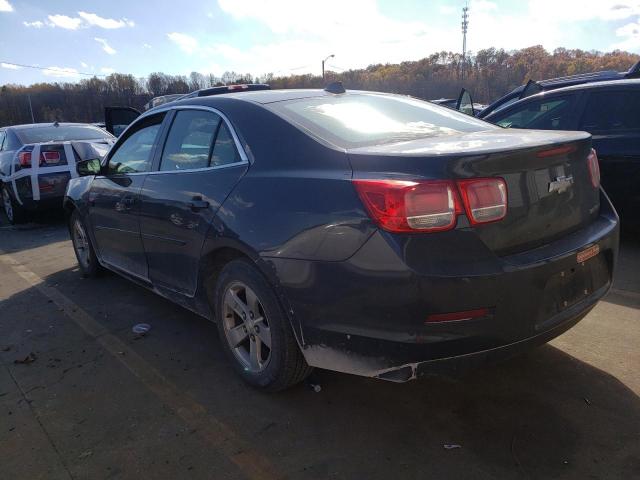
pixel 213 261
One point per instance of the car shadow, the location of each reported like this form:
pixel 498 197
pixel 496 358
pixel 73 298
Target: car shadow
pixel 545 414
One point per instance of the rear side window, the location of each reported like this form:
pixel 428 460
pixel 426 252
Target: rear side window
pixel 544 114
pixel 357 120
pixel 610 111
pixel 134 154
pixel 189 142
pixel 61 133
pixel 224 150
pixel 2 137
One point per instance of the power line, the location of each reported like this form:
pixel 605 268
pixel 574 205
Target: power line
pixel 58 70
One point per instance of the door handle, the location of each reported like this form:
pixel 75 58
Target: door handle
pixel 197 203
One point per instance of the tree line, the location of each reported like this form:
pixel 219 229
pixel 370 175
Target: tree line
pixel 488 74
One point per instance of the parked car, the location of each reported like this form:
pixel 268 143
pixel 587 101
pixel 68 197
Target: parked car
pixel 360 232
pixel 533 87
pixel 453 103
pixel 29 185
pixel 607 110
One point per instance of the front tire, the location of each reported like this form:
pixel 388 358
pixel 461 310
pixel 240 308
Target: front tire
pixel 86 255
pixel 255 331
pixel 15 213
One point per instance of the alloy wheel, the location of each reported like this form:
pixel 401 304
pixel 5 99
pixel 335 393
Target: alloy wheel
pixel 81 243
pixel 246 327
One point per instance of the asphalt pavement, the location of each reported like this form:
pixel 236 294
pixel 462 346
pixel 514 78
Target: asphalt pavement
pixel 82 396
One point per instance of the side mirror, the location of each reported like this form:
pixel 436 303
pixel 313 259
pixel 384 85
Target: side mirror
pixel 465 103
pixel 88 167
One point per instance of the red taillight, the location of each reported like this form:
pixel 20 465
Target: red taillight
pixel 457 316
pixel 49 157
pixel 594 168
pixel 485 199
pixel 408 206
pixel 24 158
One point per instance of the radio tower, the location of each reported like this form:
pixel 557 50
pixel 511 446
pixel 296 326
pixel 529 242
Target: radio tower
pixel 465 26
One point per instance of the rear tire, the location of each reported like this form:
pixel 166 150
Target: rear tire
pixel 85 253
pixel 13 211
pixel 255 331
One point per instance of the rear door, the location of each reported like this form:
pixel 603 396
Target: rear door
pixel 612 116
pixel 200 163
pixel 114 198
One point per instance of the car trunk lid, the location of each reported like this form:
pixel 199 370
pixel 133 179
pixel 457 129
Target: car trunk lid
pixel 548 182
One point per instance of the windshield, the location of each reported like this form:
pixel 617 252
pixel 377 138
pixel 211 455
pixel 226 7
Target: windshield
pixel 358 120
pixel 62 133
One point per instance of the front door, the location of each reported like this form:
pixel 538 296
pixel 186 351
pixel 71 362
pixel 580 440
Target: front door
pixel 199 166
pixel 114 198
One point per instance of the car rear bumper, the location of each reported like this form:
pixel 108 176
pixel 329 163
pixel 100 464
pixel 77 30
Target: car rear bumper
pixel 368 315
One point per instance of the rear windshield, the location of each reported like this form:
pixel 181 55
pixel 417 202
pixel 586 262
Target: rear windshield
pixel 358 120
pixel 62 133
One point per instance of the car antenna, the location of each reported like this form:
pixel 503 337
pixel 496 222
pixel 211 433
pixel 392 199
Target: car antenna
pixel 335 87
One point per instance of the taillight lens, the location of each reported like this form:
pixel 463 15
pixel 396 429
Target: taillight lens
pixel 432 205
pixel 24 159
pixel 594 168
pixel 407 206
pixel 49 157
pixel 485 199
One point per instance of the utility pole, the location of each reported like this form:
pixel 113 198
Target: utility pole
pixel 330 56
pixel 30 108
pixel 465 26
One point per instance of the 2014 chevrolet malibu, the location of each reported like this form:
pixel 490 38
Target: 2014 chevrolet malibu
pixel 360 232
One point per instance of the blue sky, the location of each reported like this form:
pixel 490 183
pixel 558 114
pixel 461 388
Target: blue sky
pixel 286 36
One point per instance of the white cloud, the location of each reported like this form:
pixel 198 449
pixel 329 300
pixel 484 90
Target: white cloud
pixel 5 6
pixel 107 70
pixel 63 21
pixel 84 65
pixel 631 37
pixel 10 66
pixel 36 24
pixel 579 10
pixel 60 72
pixel 108 23
pixel 186 42
pixel 105 46
pixel 146 45
pixel 362 34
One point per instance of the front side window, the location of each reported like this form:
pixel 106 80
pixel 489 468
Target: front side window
pixel 134 154
pixel 188 144
pixel 610 111
pixel 359 120
pixel 544 114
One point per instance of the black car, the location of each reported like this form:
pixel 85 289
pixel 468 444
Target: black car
pixel 533 87
pixel 28 185
pixel 607 110
pixel 361 232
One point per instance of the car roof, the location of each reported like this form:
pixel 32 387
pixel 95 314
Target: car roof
pixel 28 126
pixel 587 86
pixel 572 88
pixel 262 97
